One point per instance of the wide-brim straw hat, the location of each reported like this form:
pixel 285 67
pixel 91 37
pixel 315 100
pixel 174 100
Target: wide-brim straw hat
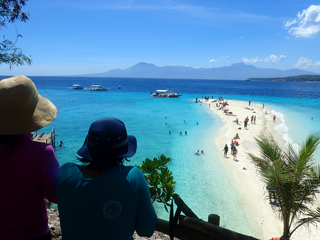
pixel 22 108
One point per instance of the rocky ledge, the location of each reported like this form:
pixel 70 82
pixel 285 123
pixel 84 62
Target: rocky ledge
pixel 54 225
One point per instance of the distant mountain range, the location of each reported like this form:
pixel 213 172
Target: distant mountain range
pixel 237 71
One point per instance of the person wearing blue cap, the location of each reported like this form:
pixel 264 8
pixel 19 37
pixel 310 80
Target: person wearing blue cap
pixel 101 198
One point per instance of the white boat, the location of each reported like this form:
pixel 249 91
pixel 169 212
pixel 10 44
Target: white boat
pixel 96 88
pixel 165 94
pixel 76 86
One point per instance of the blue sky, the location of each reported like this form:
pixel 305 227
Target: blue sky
pixel 67 37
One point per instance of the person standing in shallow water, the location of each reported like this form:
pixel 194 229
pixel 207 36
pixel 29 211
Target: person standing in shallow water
pixel 28 168
pixel 101 198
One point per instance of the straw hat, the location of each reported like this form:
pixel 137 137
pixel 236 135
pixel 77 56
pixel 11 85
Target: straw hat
pixel 22 108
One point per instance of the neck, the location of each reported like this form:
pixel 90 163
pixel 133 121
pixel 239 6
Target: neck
pixel 90 172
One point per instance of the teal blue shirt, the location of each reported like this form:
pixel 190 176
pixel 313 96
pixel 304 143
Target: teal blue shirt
pixel 109 206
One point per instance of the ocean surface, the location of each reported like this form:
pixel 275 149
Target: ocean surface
pixel 201 180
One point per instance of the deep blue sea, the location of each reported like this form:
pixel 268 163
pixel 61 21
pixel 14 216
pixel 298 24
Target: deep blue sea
pixel 201 180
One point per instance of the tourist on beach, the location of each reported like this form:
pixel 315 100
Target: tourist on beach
pixel 28 168
pixel 109 200
pixel 272 193
pixel 232 146
pixel 237 136
pixel 245 123
pixel 225 149
pixel 274 118
pixel 235 151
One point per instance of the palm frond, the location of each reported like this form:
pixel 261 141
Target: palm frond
pixel 294 177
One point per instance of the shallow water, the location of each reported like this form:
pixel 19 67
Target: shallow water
pixel 201 180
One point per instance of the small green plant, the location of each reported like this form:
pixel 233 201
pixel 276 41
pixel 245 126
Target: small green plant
pixel 159 179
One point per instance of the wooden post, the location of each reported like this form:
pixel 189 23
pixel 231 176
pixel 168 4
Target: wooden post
pixel 183 233
pixel 212 230
pixel 193 228
pixel 214 219
pixel 185 209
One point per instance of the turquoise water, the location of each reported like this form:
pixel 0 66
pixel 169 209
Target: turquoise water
pixel 201 180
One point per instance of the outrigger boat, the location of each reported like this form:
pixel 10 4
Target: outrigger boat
pixel 96 88
pixel 165 94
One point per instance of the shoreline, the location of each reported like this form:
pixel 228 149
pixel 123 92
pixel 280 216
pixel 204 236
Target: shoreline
pixel 247 181
pixel 242 172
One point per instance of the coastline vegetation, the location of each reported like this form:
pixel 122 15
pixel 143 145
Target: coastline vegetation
pixel 10 12
pixel 300 78
pixel 159 179
pixel 293 178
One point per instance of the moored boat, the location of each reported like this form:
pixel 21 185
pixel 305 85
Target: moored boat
pixel 165 94
pixel 96 88
pixel 76 86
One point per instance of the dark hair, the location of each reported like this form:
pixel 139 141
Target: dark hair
pixel 8 139
pixel 102 166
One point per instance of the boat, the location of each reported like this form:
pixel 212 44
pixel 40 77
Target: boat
pixel 76 86
pixel 165 94
pixel 96 88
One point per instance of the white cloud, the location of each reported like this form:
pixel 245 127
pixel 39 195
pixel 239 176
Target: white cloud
pixel 272 58
pixel 275 59
pixel 212 60
pixel 307 23
pixel 197 10
pixel 252 60
pixel 307 64
pixel 226 57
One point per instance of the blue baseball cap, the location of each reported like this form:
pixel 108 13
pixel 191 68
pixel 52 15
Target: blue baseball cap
pixel 107 139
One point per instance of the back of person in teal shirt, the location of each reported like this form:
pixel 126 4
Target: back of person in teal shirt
pixel 102 198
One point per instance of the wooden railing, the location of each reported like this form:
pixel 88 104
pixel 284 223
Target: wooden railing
pixel 190 227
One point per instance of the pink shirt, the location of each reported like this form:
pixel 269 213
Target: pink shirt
pixel 28 172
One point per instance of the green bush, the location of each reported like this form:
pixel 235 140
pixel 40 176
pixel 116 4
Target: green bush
pixel 159 179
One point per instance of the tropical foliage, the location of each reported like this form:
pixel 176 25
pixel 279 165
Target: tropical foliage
pixel 293 175
pixel 11 11
pixel 159 179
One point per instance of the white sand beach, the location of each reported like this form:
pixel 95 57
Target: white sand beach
pixel 242 171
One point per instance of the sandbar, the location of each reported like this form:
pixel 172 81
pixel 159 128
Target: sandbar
pixel 241 170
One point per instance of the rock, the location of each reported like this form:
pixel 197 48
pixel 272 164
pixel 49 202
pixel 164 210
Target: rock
pixel 55 229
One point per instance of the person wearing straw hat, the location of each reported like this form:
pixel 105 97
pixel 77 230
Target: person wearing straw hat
pixel 28 168
pixel 101 198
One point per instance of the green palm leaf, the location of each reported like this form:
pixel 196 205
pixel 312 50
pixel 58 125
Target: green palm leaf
pixel 293 175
